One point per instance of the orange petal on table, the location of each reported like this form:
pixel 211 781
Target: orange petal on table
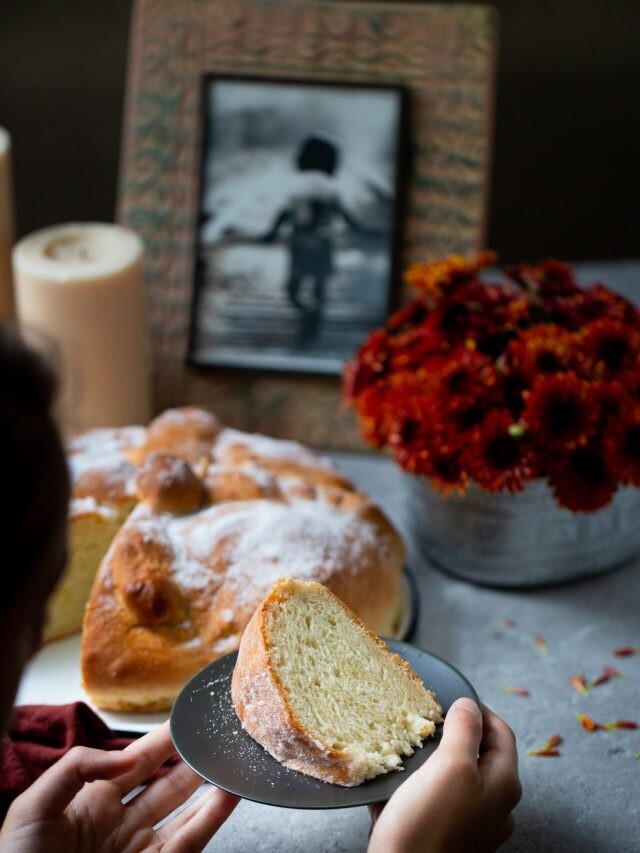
pixel 619 724
pixel 587 723
pixel 544 753
pixel 591 725
pixel 579 683
pixel 608 672
pixel 548 750
pixel 540 644
pixel 626 651
pixel 515 691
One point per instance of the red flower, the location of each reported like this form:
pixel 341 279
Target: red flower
pixel 383 404
pixel 370 404
pixel 465 390
pixel 418 440
pixel 499 456
pixel 483 316
pixel 409 315
pixel 513 386
pixel 415 347
pixel 622 446
pixel 616 307
pixel 549 278
pixel 581 480
pixel 433 278
pixel 371 363
pixel 505 382
pixel 405 400
pixel 355 380
pixel 447 473
pixel 614 399
pixel 465 373
pixel 518 311
pixel 412 448
pixel 556 278
pixel 545 348
pixel 457 417
pixel 576 310
pixel 559 412
pixel 610 349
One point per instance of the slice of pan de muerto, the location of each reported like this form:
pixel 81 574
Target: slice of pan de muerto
pixel 323 694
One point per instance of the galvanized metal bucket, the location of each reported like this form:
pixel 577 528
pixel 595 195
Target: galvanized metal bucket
pixel 523 539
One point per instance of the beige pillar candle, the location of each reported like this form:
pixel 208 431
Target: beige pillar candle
pixel 7 233
pixel 79 292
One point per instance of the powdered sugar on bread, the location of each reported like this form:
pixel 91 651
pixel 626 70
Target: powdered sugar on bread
pixel 259 542
pixel 221 515
pixel 322 694
pixel 264 447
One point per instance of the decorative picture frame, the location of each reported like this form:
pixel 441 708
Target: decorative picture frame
pixel 442 55
pixel 300 202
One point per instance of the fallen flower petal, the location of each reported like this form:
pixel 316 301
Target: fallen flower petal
pixel 587 723
pixel 578 682
pixel 540 644
pixel 591 725
pixel 626 651
pixel 544 753
pixel 515 691
pixel 548 750
pixel 608 672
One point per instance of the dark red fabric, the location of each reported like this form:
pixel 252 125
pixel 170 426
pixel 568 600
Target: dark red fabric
pixel 41 734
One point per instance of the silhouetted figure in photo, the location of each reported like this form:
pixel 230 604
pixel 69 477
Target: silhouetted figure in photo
pixel 308 221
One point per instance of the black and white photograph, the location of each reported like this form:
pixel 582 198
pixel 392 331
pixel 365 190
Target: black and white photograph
pixel 298 221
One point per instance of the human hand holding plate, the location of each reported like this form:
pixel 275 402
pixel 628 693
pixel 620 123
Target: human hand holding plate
pixel 210 739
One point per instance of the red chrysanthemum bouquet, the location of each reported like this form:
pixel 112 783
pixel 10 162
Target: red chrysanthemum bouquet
pixel 506 382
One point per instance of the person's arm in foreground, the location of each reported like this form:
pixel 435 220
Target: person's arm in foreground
pixel 76 804
pixel 460 800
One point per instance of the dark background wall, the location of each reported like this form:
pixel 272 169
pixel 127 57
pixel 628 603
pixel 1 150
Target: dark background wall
pixel 567 134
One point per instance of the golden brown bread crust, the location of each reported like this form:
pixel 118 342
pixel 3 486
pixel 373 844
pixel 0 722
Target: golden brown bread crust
pixel 167 483
pixel 126 666
pixel 188 568
pixel 285 459
pixel 229 484
pixel 265 712
pixel 267 716
pixel 158 611
pixel 101 465
pixel 188 432
pixel 104 488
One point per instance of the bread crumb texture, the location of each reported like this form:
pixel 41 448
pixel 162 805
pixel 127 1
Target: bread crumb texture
pixel 361 707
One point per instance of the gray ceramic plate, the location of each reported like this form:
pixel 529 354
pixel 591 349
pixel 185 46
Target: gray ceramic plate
pixel 409 619
pixel 210 739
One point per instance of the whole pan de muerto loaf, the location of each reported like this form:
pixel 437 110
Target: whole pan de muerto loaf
pixel 191 523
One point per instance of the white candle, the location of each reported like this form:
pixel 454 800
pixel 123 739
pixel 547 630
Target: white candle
pixel 79 288
pixel 7 233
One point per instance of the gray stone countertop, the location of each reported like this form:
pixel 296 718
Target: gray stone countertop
pixel 584 801
pixel 588 799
